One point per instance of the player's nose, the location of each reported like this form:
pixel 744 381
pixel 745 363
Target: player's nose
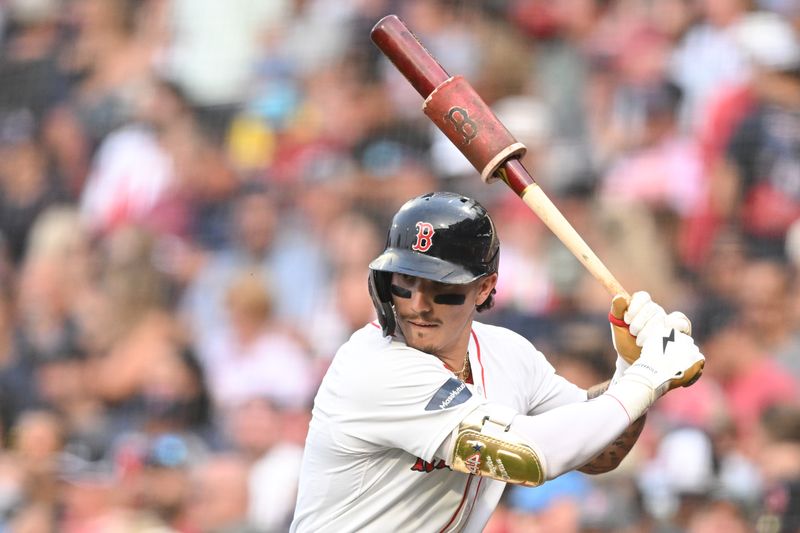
pixel 421 298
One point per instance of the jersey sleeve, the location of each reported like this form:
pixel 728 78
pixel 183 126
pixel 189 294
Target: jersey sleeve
pixel 546 389
pixel 554 391
pixel 401 398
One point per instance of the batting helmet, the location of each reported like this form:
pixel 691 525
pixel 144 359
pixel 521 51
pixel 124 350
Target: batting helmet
pixel 441 236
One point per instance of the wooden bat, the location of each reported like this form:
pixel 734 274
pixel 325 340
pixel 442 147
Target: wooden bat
pixel 461 114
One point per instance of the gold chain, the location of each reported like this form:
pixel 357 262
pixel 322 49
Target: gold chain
pixel 463 374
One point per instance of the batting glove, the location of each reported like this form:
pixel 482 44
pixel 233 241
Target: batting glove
pixel 669 359
pixel 632 322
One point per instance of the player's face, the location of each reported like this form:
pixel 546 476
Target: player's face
pixel 436 317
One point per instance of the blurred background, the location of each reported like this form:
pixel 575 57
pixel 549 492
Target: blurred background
pixel 191 191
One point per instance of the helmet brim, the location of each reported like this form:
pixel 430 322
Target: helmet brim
pixel 424 266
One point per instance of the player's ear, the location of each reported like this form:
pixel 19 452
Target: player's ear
pixel 485 287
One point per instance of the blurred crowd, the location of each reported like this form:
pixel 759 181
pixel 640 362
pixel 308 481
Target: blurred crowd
pixel 191 192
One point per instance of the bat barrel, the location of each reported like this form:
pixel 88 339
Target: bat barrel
pixel 403 49
pixel 472 127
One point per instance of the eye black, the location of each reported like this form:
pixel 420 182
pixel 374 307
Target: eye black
pixel 400 292
pixel 450 299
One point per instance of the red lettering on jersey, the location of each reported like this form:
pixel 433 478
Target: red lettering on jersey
pixel 424 237
pixel 420 466
pixel 424 466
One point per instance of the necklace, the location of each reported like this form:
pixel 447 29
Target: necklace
pixel 464 373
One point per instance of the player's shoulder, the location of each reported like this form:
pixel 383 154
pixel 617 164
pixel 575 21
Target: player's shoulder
pixel 368 344
pixel 369 337
pixel 489 333
pixel 369 363
pixel 504 344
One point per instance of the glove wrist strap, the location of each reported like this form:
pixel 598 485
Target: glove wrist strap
pixel 621 365
pixel 633 394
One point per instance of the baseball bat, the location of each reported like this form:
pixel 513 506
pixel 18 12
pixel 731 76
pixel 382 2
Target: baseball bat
pixel 460 113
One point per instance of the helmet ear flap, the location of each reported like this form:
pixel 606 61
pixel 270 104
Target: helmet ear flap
pixel 380 293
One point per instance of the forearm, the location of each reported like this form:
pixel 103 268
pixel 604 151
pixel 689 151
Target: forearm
pixel 569 436
pixel 596 390
pixel 614 453
pixel 495 441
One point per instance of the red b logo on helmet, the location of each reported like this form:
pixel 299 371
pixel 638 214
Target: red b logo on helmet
pixel 424 237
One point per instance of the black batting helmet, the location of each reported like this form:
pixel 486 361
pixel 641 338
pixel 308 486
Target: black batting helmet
pixel 441 236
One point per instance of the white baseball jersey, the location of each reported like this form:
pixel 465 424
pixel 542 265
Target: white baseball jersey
pixel 382 412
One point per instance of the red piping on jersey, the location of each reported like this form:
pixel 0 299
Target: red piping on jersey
pixel 469 480
pixel 478 346
pixel 630 420
pixel 461 504
pixel 477 492
pixel 376 325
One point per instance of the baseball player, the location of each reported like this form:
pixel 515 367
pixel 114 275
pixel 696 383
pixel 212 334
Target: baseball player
pixel 426 414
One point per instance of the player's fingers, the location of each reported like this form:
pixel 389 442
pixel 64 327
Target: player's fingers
pixel 653 327
pixel 619 304
pixel 679 321
pixel 638 300
pixel 649 313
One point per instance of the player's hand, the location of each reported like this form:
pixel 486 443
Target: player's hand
pixel 632 322
pixel 669 359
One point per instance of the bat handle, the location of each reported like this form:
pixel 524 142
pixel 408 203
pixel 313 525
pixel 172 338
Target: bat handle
pixel 397 43
pixel 520 181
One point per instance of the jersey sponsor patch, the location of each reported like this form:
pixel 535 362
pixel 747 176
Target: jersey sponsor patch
pixel 453 392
